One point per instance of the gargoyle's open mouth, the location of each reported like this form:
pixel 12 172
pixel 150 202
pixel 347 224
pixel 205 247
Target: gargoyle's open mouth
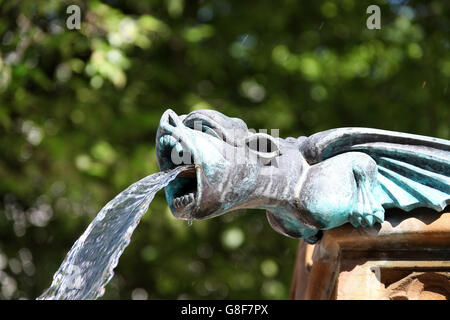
pixel 181 193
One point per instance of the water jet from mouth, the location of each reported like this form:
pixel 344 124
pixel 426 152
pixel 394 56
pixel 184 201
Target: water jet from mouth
pixel 88 266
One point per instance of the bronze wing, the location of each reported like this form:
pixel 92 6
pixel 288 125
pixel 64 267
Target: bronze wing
pixel 413 170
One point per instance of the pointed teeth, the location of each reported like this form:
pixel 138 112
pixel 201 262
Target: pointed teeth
pixel 168 140
pixel 183 201
pixel 172 141
pixel 178 147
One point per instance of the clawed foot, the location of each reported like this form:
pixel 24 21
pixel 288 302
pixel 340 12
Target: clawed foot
pixel 366 219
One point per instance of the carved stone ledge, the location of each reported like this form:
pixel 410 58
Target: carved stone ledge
pixel 407 257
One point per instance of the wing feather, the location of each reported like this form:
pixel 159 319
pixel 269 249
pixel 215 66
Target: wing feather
pixel 413 170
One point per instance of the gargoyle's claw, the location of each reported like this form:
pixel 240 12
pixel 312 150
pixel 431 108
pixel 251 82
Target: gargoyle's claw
pixel 355 220
pixel 358 219
pixel 364 223
pixel 379 216
pixel 369 220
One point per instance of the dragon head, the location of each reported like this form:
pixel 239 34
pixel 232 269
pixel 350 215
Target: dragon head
pixel 230 167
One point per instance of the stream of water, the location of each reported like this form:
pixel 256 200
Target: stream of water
pixel 89 265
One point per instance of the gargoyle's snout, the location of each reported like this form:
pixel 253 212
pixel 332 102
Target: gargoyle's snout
pixel 169 121
pixel 206 142
pixel 174 149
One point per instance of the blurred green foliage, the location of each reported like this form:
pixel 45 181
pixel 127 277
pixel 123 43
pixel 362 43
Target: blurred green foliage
pixel 79 111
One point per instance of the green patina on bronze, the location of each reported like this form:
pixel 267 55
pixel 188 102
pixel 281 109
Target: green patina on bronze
pixel 305 184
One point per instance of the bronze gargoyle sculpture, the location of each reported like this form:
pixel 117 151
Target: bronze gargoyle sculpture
pixel 305 184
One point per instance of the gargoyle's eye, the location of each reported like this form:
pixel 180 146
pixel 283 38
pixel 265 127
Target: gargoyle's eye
pixel 210 131
pixel 264 146
pixel 203 126
pixel 261 144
